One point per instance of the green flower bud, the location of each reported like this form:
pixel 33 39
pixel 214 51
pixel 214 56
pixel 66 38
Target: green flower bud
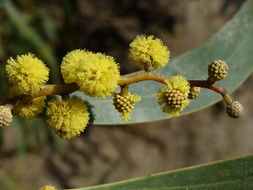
pixel 217 70
pixel 194 92
pixel 235 109
pixel 175 98
pixel 125 104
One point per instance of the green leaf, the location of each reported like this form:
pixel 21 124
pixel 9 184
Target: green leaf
pixel 233 43
pixel 234 174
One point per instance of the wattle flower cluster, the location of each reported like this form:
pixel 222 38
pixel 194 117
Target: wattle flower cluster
pixel 98 75
pixel 149 52
pixel 27 74
pixel 67 117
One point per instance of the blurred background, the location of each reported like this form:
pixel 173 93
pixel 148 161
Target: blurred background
pixel 32 156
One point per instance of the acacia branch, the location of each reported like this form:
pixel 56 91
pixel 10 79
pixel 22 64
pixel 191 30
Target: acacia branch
pixel 125 80
pixel 49 89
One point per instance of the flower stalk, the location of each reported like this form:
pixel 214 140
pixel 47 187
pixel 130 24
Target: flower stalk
pixel 125 80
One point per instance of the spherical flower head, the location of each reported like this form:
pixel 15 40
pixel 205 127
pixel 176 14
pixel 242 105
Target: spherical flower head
pixel 31 109
pixel 194 92
pixel 96 74
pixel 67 117
pixel 71 63
pixel 125 104
pixel 27 73
pixel 149 52
pixel 217 70
pixel 174 97
pixel 235 109
pixel 48 187
pixel 5 116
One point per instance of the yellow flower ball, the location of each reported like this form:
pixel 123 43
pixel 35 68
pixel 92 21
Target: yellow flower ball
pixel 67 117
pixel 96 74
pixel 149 52
pixel 48 187
pixel 27 73
pixel 174 97
pixel 71 63
pixel 30 110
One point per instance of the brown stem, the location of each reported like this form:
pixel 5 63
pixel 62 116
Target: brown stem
pixel 141 76
pixel 206 84
pixel 124 90
pixel 50 89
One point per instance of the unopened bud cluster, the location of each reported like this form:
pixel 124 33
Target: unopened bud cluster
pixel 5 116
pixel 175 98
pixel 194 92
pixel 235 109
pixel 217 70
pixel 125 104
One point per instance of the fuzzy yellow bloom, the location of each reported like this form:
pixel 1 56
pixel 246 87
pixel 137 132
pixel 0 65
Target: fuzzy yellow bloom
pixel 71 63
pixel 148 51
pixel 48 187
pixel 125 104
pixel 27 73
pixel 67 117
pixel 30 110
pixel 96 74
pixel 174 97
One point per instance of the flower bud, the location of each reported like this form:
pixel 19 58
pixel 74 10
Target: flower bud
pixel 217 70
pixel 194 92
pixel 235 109
pixel 174 97
pixel 5 116
pixel 125 104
